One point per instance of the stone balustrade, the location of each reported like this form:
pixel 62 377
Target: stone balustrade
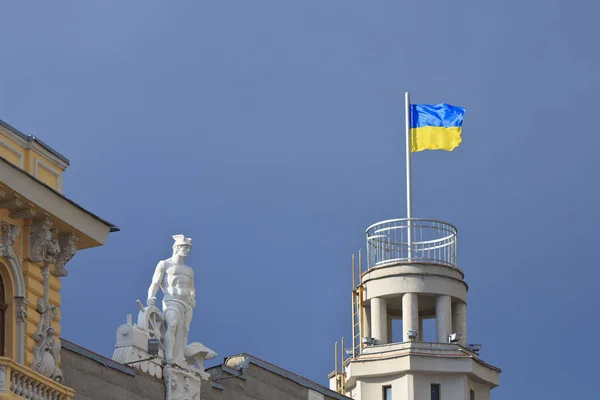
pixel 20 382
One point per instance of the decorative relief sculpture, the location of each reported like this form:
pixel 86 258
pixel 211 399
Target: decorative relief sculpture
pixel 66 243
pixel 9 236
pixel 43 243
pixel 49 247
pixel 184 371
pixel 22 311
pixel 46 349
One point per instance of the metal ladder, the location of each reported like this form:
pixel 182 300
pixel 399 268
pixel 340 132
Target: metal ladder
pixel 357 306
pixel 357 326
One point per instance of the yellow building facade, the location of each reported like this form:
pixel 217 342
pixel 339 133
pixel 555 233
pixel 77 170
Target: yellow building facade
pixel 41 230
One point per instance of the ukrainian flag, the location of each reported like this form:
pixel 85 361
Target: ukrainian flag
pixel 435 127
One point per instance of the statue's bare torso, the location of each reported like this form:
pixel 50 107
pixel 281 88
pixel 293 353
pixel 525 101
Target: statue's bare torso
pixel 177 280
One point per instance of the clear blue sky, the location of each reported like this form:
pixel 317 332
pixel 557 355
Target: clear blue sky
pixel 271 133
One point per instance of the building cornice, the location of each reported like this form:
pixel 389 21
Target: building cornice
pixel 36 194
pixel 32 142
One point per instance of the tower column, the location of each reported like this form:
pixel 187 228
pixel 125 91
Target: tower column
pixel 459 322
pixel 443 318
pixel 366 323
pixel 410 315
pixel 379 320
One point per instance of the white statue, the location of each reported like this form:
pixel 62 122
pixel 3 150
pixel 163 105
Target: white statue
pixel 177 283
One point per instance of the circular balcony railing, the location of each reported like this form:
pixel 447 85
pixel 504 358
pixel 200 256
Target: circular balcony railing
pixel 411 240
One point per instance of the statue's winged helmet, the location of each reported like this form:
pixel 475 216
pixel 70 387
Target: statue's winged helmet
pixel 181 240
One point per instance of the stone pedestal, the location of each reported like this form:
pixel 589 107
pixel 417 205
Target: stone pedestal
pixel 181 384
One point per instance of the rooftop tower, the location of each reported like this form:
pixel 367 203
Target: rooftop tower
pixel 411 275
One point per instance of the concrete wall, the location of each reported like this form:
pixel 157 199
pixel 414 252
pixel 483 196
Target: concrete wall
pixel 259 384
pixel 417 386
pixel 95 381
pixel 482 392
pixel 372 387
pixel 453 387
pixel 95 377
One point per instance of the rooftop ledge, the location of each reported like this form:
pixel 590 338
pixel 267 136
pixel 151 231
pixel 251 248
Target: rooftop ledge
pixel 414 240
pixel 419 348
pixel 431 349
pixel 404 357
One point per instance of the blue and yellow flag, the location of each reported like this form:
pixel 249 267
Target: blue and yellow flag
pixel 435 127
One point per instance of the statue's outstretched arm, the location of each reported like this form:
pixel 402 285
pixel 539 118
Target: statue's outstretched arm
pixel 156 279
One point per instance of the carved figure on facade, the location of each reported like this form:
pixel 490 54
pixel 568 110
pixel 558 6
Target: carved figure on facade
pixel 46 349
pixel 10 233
pixel 22 312
pixel 66 243
pixel 43 244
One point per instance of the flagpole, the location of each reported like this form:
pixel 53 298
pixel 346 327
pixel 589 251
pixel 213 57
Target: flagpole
pixel 408 188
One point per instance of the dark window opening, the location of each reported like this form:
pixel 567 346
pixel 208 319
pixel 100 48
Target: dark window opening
pixel 387 393
pixel 435 391
pixel 472 394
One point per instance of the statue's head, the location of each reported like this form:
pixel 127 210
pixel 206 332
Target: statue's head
pixel 182 245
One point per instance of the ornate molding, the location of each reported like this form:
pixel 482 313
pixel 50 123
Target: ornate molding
pixel 7 250
pixel 46 350
pixel 43 243
pixel 15 204
pixel 22 213
pixel 66 243
pixel 21 305
pixel 12 204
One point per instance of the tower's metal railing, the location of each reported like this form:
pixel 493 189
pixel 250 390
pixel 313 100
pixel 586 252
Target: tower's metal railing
pixel 411 240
